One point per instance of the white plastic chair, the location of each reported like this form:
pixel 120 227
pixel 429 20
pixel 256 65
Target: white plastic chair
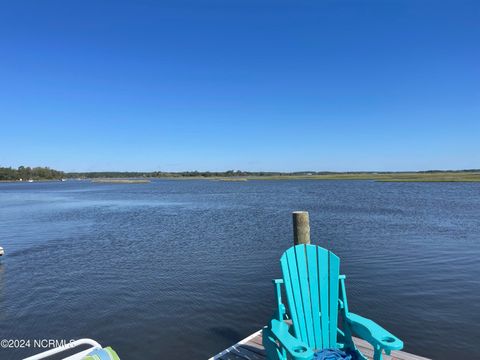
pixel 78 356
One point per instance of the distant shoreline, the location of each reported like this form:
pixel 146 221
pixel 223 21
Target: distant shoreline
pixel 120 181
pixel 436 176
pixel 33 174
pixel 390 177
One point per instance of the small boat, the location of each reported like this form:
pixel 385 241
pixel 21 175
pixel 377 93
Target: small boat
pixel 30 180
pixel 2 252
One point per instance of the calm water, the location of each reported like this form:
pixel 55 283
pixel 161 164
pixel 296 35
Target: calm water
pixel 182 269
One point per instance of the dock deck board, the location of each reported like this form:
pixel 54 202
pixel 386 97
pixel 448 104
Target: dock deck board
pixel 251 348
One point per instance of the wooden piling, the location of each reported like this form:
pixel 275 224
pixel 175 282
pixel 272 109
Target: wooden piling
pixel 301 227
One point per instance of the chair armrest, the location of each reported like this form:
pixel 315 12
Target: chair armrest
pixel 373 333
pixel 295 347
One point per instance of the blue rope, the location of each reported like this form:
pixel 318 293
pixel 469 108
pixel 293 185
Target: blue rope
pixel 331 354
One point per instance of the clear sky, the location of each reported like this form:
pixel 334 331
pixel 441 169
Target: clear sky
pixel 240 84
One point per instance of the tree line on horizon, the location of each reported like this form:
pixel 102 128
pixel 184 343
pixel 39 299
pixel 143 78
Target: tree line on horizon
pixel 45 173
pixel 28 173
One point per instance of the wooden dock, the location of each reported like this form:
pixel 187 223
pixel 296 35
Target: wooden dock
pixel 251 348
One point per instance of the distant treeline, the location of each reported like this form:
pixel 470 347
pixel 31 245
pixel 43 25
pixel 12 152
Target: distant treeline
pixel 159 174
pixel 237 173
pixel 45 173
pixel 28 173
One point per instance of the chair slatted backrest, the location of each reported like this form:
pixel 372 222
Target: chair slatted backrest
pixel 310 274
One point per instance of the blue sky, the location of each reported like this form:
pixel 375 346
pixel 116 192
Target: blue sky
pixel 251 85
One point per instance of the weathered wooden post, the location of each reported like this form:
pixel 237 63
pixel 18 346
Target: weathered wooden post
pixel 301 227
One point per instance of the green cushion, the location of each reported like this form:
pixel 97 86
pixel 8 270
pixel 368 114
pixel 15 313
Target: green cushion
pixel 102 354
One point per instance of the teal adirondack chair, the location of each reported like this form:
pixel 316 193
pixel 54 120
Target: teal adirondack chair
pixel 316 297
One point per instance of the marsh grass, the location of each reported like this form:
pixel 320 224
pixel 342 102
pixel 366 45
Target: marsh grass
pixel 381 177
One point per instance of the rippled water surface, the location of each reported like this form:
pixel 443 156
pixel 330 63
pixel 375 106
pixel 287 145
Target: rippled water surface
pixel 182 269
